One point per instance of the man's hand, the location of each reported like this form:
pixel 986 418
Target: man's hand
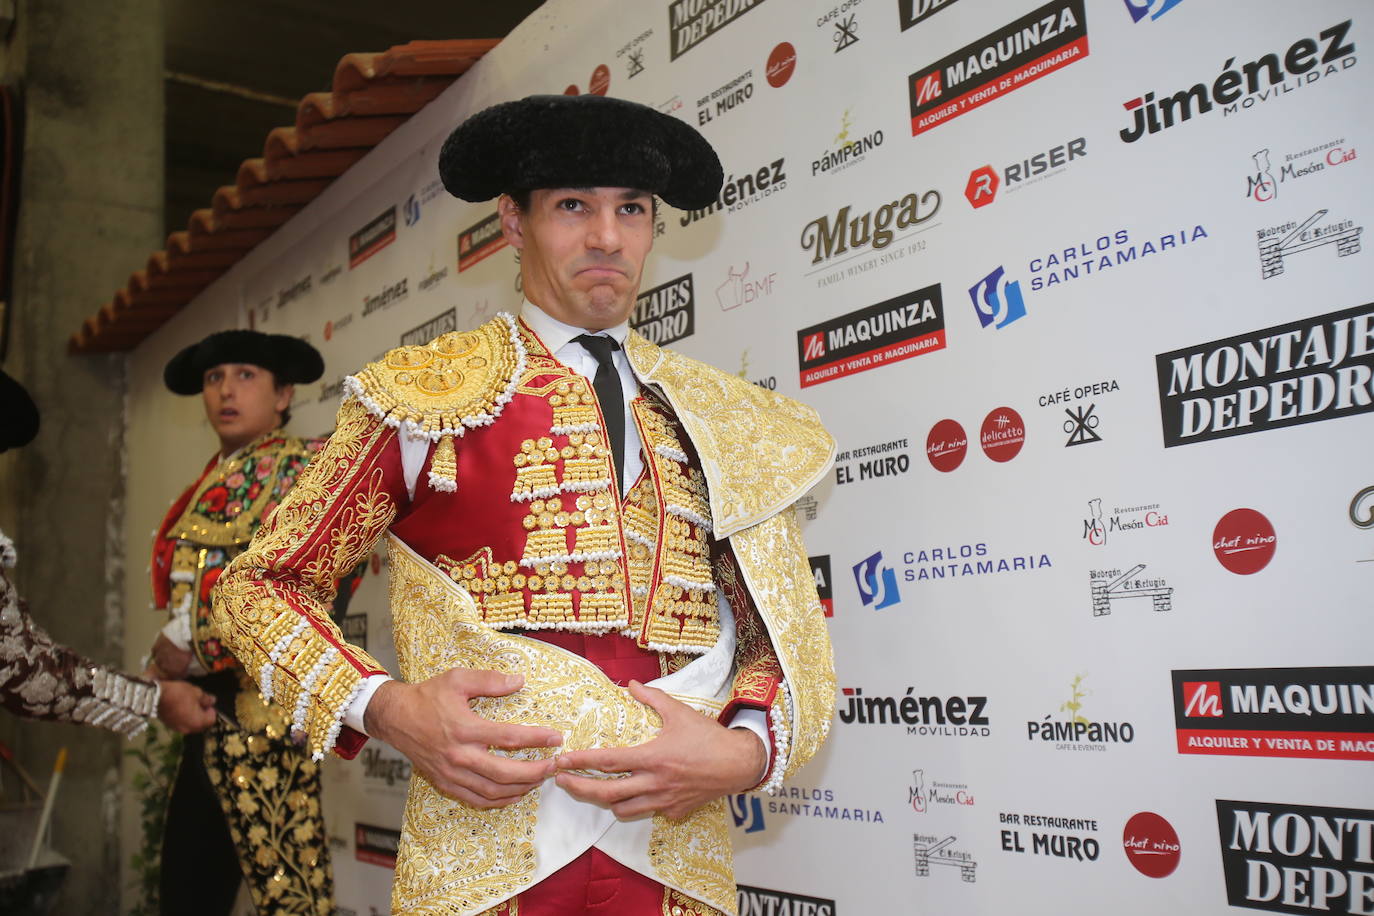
pixel 168 660
pixel 432 724
pixel 692 760
pixel 185 708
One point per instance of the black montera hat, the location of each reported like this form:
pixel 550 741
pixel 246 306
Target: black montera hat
pixel 18 414
pixel 583 141
pixel 290 359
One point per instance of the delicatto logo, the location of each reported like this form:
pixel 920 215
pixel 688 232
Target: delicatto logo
pixel 1296 858
pixel 1263 79
pixel 1321 713
pixel 1039 43
pixel 1318 368
pixel 902 327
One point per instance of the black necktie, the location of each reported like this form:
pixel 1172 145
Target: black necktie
pixel 610 394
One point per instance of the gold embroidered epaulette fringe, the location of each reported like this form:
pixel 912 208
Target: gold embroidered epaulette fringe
pixel 761 451
pixel 459 380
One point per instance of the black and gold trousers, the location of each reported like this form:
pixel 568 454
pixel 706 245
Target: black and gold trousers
pixel 267 791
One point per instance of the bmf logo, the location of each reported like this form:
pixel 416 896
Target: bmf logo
pixel 877 584
pixel 996 300
pixel 1202 699
pixel 1139 9
pixel 411 210
pixel 747 811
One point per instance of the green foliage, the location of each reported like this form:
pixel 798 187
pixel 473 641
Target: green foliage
pixel 155 754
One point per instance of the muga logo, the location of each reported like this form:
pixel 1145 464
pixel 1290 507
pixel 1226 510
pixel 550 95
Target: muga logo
pixel 827 238
pixel 877 584
pixel 1039 43
pixel 900 328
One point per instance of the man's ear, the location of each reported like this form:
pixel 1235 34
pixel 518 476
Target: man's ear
pixel 284 394
pixel 510 215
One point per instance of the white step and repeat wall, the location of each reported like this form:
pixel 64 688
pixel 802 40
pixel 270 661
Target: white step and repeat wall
pixel 1081 290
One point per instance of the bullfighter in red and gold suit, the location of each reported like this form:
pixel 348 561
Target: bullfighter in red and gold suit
pixel 245 807
pixel 572 513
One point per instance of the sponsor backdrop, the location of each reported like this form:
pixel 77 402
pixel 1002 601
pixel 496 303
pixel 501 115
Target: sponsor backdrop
pixel 1096 338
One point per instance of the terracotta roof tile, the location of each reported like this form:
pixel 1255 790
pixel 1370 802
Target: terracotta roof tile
pixel 372 95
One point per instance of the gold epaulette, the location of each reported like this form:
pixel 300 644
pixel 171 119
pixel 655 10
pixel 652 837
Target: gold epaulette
pixel 760 450
pixel 457 381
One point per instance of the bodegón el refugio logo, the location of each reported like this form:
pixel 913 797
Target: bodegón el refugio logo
pixel 1321 713
pixel 1042 41
pixel 1318 368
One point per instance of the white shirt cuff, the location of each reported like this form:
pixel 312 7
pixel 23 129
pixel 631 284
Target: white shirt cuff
pixel 353 716
pixel 756 720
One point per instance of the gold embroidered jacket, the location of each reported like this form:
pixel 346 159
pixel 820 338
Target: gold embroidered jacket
pixel 516 439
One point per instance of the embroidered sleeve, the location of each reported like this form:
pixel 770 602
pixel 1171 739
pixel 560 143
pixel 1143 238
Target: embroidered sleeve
pixel 791 645
pixel 272 604
pixel 758 680
pixel 40 679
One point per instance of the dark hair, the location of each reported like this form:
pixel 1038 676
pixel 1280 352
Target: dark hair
pixel 286 413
